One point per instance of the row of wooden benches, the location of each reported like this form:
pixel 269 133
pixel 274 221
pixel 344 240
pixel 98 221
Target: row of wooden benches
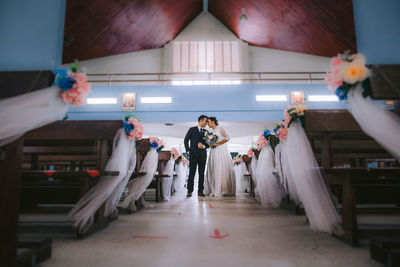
pixel 357 170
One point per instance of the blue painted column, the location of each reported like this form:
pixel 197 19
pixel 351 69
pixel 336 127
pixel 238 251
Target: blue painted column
pixel 31 34
pixel 377 25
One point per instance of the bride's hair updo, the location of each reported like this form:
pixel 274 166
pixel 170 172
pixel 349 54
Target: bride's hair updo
pixel 214 120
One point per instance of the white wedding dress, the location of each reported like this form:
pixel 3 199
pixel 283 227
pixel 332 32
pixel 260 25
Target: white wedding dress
pixel 220 175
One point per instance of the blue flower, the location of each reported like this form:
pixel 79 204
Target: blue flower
pixel 267 132
pixel 128 127
pixel 159 149
pixel 62 79
pixel 276 131
pixel 153 145
pixel 341 93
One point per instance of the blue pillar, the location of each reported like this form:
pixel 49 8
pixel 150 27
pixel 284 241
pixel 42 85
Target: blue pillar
pixel 31 34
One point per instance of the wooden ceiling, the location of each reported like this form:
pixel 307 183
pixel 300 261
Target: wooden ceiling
pixel 98 28
pixel 315 27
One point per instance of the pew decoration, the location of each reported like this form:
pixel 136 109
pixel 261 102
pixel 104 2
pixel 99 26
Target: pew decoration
pixel 22 113
pixel 269 191
pixel 182 159
pixel 166 181
pixel 347 71
pixel 182 168
pixel 348 77
pixel 175 153
pixel 73 84
pixel 303 175
pixel 156 143
pixel 251 152
pixel 261 142
pixel 281 131
pixel 293 113
pixel 109 189
pixel 137 186
pixel 237 160
pixel 133 127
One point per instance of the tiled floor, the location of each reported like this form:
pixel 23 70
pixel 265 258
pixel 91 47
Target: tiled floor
pixel 177 233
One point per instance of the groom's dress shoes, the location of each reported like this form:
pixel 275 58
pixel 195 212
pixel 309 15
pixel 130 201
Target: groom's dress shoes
pixel 201 194
pixel 189 194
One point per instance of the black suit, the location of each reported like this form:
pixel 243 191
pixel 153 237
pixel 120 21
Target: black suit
pixel 197 156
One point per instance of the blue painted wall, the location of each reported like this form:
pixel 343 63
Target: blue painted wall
pixel 31 34
pixel 377 24
pixel 227 103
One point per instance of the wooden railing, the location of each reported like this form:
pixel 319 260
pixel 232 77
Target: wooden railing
pixel 243 77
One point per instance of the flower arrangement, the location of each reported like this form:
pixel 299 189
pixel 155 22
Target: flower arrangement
pixel 261 142
pixel 281 131
pixel 237 160
pixel 210 138
pixel 175 153
pixel 73 84
pixel 294 112
pixel 346 71
pixel 133 128
pixel 182 159
pixel 251 152
pixel 156 143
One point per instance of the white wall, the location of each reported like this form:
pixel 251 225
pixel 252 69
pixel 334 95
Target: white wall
pixel 265 59
pixel 205 27
pixel 135 62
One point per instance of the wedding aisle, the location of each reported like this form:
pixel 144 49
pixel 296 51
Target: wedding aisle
pixel 193 232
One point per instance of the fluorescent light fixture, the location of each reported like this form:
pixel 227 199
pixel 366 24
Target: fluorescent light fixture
pixel 95 101
pixel 271 98
pixel 156 100
pixel 323 98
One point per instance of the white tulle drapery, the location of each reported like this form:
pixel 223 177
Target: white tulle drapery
pixel 269 190
pixel 253 169
pixel 167 182
pixel 138 186
pixel 382 125
pixel 22 113
pixel 109 189
pixel 287 176
pixel 278 165
pixel 179 182
pixel 241 181
pixel 309 183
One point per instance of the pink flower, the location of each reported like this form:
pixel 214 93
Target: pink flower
pixel 282 133
pixel 261 142
pixel 250 153
pixel 175 153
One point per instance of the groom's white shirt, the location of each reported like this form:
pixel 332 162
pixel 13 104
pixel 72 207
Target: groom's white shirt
pixel 199 128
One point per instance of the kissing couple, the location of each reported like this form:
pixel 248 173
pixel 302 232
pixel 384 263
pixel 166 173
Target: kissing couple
pixel 220 180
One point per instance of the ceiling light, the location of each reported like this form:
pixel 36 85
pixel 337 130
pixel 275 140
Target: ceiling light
pixel 243 17
pixel 323 98
pixel 262 98
pixel 94 101
pixel 155 100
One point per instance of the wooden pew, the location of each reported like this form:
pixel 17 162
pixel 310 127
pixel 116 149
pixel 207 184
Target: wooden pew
pixel 343 151
pixel 163 158
pixel 69 142
pixel 14 83
pixel 247 161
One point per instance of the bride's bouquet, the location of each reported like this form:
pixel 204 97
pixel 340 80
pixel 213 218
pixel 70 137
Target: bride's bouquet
pixel 210 138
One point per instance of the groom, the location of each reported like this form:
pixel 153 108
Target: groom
pixel 197 154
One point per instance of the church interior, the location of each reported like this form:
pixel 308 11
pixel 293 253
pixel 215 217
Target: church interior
pixel 199 133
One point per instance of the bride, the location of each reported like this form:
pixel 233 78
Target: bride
pixel 220 174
